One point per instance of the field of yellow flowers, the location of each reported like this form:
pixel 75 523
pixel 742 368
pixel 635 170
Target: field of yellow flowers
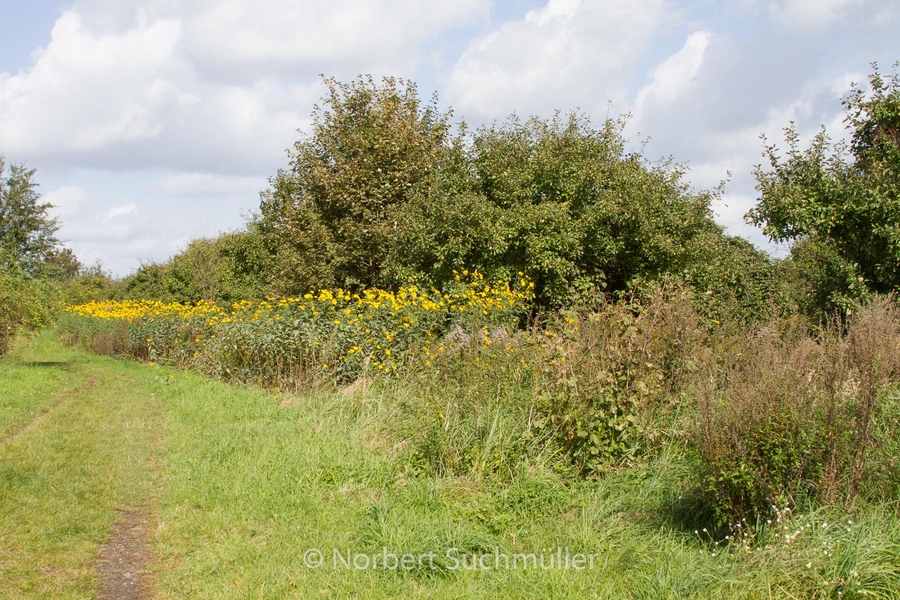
pixel 335 333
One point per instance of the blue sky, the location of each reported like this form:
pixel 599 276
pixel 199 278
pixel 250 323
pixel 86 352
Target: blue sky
pixel 153 122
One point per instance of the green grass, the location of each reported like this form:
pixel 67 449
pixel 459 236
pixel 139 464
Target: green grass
pixel 35 377
pixel 242 484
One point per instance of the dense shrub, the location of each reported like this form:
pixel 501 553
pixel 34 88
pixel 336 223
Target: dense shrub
pixel 561 200
pixel 233 266
pixel 25 303
pixel 89 283
pixel 785 418
pixel 609 373
pixel 818 283
pixel 384 192
pixel 371 148
pixel 839 202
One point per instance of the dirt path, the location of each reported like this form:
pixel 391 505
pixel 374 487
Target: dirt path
pixel 124 558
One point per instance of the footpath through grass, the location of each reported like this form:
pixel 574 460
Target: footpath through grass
pixel 79 445
pixel 247 491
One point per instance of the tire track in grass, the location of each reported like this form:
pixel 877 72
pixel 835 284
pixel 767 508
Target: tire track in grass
pixel 36 420
pixel 34 376
pixel 125 561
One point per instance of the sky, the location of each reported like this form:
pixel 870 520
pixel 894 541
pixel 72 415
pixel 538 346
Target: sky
pixel 154 122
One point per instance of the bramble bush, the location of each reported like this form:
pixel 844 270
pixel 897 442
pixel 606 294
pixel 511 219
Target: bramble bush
pixel 611 375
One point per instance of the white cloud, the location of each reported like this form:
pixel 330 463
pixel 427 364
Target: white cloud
pixel 201 86
pixel 730 211
pixel 95 230
pixel 127 100
pixel 235 39
pixel 739 149
pixel 565 54
pixel 66 201
pixel 211 184
pixel 86 92
pixel 160 120
pixel 676 74
pixel 709 102
pixel 809 14
pixel 151 225
pixel 119 211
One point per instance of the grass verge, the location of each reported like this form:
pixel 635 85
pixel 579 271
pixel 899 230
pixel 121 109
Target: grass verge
pixel 34 378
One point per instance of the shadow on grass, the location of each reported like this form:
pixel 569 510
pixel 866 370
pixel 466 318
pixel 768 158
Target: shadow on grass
pixel 689 511
pixel 65 365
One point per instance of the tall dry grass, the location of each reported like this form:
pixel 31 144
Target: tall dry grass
pixel 785 417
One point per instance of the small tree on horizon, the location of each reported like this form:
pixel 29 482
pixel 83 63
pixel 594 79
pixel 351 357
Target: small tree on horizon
pixel 28 239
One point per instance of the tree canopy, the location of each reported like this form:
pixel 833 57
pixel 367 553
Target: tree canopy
pixel 386 191
pixel 371 147
pixel 840 203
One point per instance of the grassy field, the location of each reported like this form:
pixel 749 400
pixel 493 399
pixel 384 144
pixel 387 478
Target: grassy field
pixel 245 490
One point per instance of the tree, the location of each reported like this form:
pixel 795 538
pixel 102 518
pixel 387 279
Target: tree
pixel 371 145
pixel 24 302
pixel 27 233
pixel 563 201
pixel 233 266
pixel 840 204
